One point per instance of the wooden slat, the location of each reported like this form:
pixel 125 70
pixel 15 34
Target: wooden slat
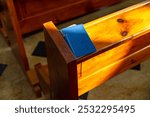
pixel 102 75
pixel 97 62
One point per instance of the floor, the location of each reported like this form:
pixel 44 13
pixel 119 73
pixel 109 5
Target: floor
pixel 130 85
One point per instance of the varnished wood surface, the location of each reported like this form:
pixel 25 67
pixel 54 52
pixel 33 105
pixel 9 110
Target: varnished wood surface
pixel 112 55
pixel 108 36
pixel 99 69
pixel 63 77
pixel 32 12
pixel 108 72
pixel 106 32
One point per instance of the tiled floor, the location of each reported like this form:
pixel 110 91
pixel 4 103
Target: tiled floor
pixel 128 85
pixel 13 83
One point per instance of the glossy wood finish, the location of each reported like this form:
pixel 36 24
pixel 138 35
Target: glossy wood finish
pixel 63 78
pixel 108 64
pixel 32 13
pixel 122 40
pixel 138 28
pixel 102 33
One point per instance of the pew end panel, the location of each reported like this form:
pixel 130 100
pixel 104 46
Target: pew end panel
pixel 63 77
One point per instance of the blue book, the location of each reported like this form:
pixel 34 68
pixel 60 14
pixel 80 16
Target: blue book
pixel 78 40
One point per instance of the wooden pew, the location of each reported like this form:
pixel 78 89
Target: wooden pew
pixel 122 40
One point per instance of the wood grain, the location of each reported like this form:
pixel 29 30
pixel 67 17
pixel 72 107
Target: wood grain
pixel 106 34
pixel 107 30
pixel 108 72
pixel 103 67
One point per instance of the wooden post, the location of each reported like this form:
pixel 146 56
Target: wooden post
pixel 61 64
